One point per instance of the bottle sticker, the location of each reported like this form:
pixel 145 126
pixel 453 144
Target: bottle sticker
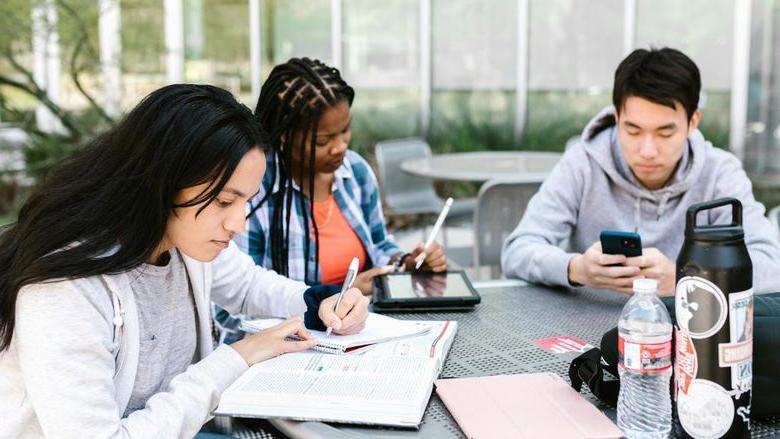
pixel 706 411
pixel 645 357
pixel 739 353
pixel 700 307
pixel 685 364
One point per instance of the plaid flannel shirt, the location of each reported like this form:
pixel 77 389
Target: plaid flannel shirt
pixel 356 192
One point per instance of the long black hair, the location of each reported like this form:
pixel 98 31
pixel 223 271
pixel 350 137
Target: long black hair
pixel 104 210
pixel 664 76
pixel 292 101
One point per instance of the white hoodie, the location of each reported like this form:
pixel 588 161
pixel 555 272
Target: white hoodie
pixel 72 362
pixel 592 189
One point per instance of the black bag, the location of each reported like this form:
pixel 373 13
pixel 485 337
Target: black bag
pixel 589 367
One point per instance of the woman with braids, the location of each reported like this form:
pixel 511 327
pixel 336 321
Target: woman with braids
pixel 107 276
pixel 319 205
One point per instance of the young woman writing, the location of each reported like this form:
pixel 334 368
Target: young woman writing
pixel 106 278
pixel 319 203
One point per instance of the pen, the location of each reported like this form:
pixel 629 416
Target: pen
pixel 351 274
pixel 436 226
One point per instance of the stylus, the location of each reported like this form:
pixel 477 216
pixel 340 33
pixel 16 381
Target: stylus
pixel 436 226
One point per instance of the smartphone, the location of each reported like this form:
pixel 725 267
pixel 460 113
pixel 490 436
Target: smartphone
pixel 621 243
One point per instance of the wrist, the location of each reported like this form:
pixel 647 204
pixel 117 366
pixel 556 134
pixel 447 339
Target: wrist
pixel 401 261
pixel 243 351
pixel 573 272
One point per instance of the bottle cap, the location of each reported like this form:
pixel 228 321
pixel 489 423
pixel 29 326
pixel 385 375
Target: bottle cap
pixel 645 285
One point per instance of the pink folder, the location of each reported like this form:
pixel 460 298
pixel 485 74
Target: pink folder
pixel 523 406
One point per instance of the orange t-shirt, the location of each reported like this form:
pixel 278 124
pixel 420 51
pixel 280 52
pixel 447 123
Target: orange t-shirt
pixel 338 242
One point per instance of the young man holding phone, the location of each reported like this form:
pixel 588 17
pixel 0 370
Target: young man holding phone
pixel 638 167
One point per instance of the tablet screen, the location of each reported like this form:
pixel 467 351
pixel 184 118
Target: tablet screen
pixel 409 286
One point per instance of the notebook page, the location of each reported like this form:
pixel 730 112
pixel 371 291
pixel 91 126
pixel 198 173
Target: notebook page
pixel 378 328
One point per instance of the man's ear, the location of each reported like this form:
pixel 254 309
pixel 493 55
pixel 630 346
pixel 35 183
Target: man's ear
pixel 694 123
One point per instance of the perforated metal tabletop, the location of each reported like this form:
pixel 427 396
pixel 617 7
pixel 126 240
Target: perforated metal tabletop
pixel 497 338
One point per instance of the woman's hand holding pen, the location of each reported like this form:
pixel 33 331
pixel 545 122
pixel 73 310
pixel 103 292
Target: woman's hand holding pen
pixel 435 259
pixel 275 341
pixel 350 317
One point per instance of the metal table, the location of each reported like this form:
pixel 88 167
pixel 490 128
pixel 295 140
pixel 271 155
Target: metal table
pixel 497 339
pixel 519 166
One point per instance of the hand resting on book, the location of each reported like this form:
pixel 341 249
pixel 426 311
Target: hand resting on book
pixel 289 336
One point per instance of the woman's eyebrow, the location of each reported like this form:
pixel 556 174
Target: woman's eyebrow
pixel 349 122
pixel 234 192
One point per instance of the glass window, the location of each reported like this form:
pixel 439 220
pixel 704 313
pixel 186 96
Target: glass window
pixel 573 50
pixel 474 44
pixel 703 30
pixel 381 43
pixel 143 49
pixel 216 41
pixel 296 28
pixel 762 147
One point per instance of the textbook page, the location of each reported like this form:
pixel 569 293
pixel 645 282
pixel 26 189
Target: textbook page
pixel 364 389
pixel 435 343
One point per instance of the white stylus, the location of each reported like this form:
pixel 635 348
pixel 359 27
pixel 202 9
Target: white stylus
pixel 436 226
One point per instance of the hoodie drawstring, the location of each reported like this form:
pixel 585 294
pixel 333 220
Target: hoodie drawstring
pixel 637 214
pixel 662 204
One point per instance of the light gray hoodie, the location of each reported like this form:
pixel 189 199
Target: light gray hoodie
pixel 592 189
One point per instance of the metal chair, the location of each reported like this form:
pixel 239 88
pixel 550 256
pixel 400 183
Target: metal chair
pixel 405 194
pixel 500 206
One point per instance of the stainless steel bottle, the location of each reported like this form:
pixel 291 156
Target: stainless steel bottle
pixel 714 330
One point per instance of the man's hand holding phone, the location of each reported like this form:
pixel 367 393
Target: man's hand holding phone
pixel 655 265
pixel 594 268
pixel 617 259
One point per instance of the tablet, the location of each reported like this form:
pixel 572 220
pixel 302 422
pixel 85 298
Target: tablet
pixel 425 291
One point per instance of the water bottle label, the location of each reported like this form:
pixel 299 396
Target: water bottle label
pixel 738 354
pixel 645 357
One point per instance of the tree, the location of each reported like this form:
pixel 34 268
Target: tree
pixel 20 92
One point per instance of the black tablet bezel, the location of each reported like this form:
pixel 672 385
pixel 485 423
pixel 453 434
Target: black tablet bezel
pixel 383 300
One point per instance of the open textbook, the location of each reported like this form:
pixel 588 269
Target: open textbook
pixel 378 328
pixel 389 384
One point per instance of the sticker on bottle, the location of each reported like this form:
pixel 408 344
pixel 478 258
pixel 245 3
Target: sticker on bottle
pixel 686 364
pixel 706 411
pixel 738 355
pixel 700 307
pixel 645 357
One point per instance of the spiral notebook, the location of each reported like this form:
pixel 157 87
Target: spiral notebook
pixel 378 328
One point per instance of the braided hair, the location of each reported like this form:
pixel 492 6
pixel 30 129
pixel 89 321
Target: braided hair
pixel 291 103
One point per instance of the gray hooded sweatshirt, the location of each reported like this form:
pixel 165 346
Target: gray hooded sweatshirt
pixel 592 189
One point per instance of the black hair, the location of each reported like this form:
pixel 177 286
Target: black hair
pixel 104 210
pixel 664 76
pixel 291 103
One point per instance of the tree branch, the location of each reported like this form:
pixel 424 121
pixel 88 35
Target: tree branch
pixel 32 88
pixel 75 71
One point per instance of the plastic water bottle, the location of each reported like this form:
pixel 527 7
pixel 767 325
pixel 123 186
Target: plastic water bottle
pixel 645 364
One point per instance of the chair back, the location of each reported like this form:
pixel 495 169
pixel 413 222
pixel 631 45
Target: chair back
pixel 500 206
pixel 404 193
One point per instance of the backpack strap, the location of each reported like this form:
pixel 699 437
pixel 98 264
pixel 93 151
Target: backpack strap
pixel 587 368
